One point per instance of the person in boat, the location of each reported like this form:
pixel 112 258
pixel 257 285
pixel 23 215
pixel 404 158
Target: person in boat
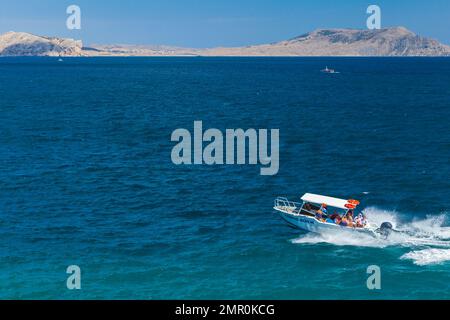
pixel 360 221
pixel 335 216
pixel 350 214
pixel 364 219
pixel 321 214
pixel 344 221
pixel 349 218
pixel 308 207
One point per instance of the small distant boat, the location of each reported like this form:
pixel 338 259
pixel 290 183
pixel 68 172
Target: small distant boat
pixel 305 215
pixel 328 70
pixel 60 60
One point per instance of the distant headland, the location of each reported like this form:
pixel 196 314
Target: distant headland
pixel 396 41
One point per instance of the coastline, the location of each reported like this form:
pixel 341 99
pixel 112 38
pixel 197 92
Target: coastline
pixel 389 42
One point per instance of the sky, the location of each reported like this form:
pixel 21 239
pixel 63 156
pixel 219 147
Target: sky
pixel 210 23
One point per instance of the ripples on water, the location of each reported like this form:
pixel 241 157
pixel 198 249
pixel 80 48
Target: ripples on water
pixel 86 177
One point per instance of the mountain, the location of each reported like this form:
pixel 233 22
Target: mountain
pixel 26 44
pixel 397 41
pixel 345 42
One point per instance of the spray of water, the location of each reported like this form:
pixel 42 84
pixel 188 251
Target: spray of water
pixel 428 238
pixel 427 256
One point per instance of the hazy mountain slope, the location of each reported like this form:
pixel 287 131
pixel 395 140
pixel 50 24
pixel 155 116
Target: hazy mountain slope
pixel 323 42
pixel 26 44
pixel 346 42
pixel 141 50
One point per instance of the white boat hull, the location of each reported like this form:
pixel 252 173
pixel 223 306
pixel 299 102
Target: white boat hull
pixel 311 224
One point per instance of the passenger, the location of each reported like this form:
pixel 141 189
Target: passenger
pixel 334 216
pixel 321 214
pixel 363 220
pixel 324 209
pixel 350 214
pixel 358 221
pixel 344 221
pixel 308 207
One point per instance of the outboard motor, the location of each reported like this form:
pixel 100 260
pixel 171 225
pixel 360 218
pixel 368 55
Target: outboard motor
pixel 385 229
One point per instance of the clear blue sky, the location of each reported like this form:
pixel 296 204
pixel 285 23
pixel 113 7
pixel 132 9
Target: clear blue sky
pixel 206 23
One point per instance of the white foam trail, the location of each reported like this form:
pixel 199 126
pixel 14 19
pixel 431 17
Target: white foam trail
pixel 432 226
pixel 428 256
pixel 378 216
pixel 429 232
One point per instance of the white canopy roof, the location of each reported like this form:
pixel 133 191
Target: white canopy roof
pixel 329 201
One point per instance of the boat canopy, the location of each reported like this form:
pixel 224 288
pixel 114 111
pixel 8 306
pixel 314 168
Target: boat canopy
pixel 330 201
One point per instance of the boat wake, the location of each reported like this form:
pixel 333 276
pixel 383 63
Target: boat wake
pixel 427 256
pixel 429 238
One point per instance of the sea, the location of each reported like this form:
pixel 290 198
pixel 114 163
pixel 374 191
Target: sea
pixel 87 179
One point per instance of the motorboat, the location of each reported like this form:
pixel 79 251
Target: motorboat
pixel 309 215
pixel 328 70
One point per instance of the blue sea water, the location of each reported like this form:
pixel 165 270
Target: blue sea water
pixel 86 177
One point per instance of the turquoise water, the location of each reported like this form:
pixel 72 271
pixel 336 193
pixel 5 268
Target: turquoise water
pixel 86 177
